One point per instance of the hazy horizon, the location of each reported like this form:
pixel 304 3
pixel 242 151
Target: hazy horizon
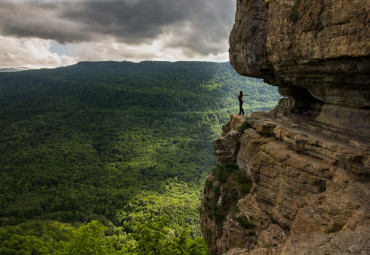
pixel 11 69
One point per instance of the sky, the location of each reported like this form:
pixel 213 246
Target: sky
pixel 52 33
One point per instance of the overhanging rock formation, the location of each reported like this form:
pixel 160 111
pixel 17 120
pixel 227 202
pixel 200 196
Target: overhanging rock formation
pixel 317 52
pixel 302 186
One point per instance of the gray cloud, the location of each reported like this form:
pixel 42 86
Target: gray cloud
pixel 194 26
pixel 131 22
pixel 208 29
pixel 40 20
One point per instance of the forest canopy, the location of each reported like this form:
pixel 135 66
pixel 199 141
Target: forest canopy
pixel 112 149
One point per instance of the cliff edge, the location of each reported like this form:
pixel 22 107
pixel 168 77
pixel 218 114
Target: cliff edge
pixel 296 180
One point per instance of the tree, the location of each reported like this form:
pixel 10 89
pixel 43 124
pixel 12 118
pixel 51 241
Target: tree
pixel 88 239
pixel 156 238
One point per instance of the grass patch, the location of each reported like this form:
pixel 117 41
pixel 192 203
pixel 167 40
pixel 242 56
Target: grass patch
pixel 245 125
pixel 221 173
pixel 245 188
pixel 217 216
pixel 217 191
pixel 322 187
pixel 245 182
pixel 238 185
pixel 231 167
pixel 234 210
pixel 241 177
pixel 333 228
pixel 244 222
pixel 208 185
pixel 293 16
pixel 268 246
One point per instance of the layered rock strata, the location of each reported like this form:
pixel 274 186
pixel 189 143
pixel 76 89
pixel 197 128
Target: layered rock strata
pixel 317 52
pixel 310 194
pixel 303 183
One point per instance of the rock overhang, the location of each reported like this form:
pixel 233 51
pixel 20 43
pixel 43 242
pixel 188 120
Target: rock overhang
pixel 316 52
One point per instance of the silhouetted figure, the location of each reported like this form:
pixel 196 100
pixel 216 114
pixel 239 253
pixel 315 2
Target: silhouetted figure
pixel 240 97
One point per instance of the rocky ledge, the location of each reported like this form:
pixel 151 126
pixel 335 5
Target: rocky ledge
pixel 305 188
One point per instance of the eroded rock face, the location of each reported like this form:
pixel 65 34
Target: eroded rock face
pixel 304 168
pixel 310 192
pixel 318 49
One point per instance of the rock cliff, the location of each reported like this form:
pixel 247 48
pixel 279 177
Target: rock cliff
pixel 316 51
pixel 296 180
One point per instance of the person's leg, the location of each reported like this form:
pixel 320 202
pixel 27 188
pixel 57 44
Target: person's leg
pixel 240 107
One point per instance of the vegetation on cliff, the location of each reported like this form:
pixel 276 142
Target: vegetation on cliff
pixel 124 146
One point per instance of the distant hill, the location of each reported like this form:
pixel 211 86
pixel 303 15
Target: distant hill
pixel 7 70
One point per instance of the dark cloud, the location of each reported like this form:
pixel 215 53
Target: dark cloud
pixel 208 29
pixel 131 22
pixel 40 20
pixel 195 26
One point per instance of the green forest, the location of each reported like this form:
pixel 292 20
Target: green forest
pixel 111 157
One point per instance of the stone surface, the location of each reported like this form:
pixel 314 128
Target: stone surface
pixel 317 52
pixel 310 194
pixel 309 158
pixel 248 39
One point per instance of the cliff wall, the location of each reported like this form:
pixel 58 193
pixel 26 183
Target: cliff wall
pixel 309 189
pixel 296 180
pixel 316 51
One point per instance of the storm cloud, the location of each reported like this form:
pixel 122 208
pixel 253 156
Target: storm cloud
pixel 192 27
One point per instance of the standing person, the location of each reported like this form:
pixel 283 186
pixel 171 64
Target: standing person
pixel 240 97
